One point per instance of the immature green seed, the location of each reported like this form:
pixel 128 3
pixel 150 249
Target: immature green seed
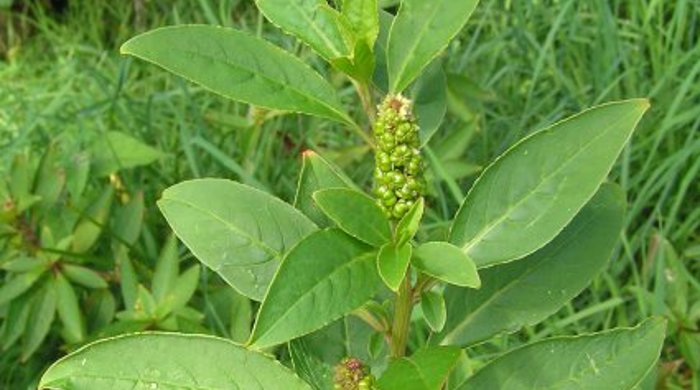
pixel 398 174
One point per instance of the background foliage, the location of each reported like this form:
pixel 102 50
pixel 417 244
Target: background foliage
pixel 517 67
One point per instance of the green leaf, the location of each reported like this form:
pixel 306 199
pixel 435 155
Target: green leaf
pixel 427 369
pixel 434 311
pixel 360 66
pixel 317 173
pixel 83 276
pixel 392 263
pixel 89 228
pixel 241 317
pixel 166 360
pixel 312 21
pixel 380 78
pixel 239 66
pixel 116 151
pixel 527 196
pixel 526 292
pixel 15 322
pixel 69 309
pixel 145 304
pixel 23 264
pixel 408 226
pixel 40 319
pixel 50 179
pixel 167 270
pixel 363 16
pixel 421 30
pixel 446 262
pixel 21 177
pixel 129 282
pixel 238 231
pixel 186 286
pixel 615 360
pixel 355 213
pixel 129 219
pixel 99 310
pixel 77 174
pixel 430 100
pixel 326 276
pixel 17 285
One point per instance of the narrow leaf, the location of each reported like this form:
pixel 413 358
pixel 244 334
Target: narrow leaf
pixel 355 213
pixel 89 228
pixel 69 309
pixel 392 263
pixel 527 196
pixel 446 262
pixel 239 232
pixel 613 360
pixel 15 323
pixel 17 285
pixel 129 219
pixel 167 270
pixel 421 30
pixel 40 319
pixel 165 360
pixel 186 286
pixel 526 292
pixel 239 66
pixel 427 369
pixel 326 276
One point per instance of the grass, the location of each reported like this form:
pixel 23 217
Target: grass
pixel 522 66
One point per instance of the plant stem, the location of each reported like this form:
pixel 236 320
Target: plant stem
pixel 402 318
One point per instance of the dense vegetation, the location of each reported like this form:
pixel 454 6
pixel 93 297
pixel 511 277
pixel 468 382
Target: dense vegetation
pixel 89 140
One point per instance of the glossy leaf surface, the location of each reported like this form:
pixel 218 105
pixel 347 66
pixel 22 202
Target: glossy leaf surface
pixel 527 196
pixel 421 30
pixel 392 263
pixel 427 369
pixel 446 262
pixel 313 22
pixel 526 292
pixel 326 276
pixel 613 360
pixel 355 213
pixel 410 222
pixel 168 361
pixel 239 232
pixel 238 66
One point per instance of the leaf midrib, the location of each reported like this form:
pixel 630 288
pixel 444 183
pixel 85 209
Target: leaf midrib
pixel 276 255
pixel 273 325
pixel 496 222
pixel 606 362
pixel 507 287
pixel 273 81
pixel 320 33
pixel 413 46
